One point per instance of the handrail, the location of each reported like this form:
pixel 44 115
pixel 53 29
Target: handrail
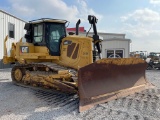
pixel 5 47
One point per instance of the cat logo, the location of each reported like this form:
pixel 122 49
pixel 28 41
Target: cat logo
pixel 24 49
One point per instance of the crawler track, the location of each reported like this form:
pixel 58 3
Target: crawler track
pixel 40 69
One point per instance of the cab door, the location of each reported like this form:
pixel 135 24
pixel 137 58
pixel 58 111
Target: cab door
pixel 55 32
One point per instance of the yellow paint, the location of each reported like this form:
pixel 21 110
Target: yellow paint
pixel 27 53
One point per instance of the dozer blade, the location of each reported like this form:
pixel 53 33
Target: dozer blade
pixel 109 79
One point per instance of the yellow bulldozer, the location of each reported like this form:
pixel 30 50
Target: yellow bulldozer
pixel 51 59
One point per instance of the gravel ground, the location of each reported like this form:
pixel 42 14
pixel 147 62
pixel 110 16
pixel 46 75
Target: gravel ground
pixel 19 103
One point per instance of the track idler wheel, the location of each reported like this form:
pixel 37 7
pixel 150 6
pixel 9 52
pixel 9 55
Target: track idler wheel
pixel 17 74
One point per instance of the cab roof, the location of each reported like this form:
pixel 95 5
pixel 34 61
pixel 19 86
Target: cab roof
pixel 48 20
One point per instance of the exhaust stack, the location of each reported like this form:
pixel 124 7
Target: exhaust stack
pixel 77 27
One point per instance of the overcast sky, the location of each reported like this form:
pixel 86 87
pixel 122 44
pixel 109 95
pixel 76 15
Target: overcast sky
pixel 138 19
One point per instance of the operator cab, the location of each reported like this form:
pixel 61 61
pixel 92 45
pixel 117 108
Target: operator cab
pixel 46 32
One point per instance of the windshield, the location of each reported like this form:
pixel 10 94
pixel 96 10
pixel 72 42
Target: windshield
pixel 56 31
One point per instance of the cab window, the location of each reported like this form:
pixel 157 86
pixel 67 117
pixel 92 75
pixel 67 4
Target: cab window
pixel 38 33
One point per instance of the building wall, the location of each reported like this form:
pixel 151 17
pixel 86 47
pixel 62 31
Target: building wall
pixel 105 35
pixel 116 44
pixel 5 19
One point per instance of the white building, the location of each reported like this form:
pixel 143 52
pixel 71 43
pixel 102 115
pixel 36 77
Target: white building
pixel 11 26
pixel 113 45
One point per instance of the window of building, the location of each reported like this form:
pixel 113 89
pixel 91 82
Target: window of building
pixel 115 53
pixel 11 30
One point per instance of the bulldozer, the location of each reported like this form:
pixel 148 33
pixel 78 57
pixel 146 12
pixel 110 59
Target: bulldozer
pixel 52 59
